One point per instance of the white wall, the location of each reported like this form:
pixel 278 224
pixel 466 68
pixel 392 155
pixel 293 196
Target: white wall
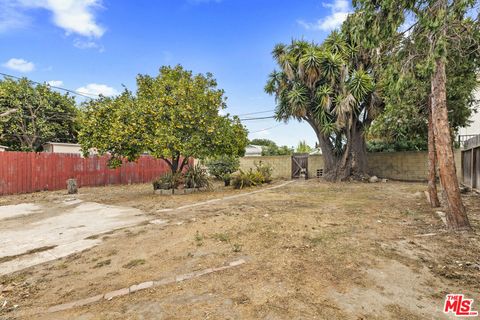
pixel 474 127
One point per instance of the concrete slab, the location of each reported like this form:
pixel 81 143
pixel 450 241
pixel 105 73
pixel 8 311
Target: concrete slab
pixel 18 210
pixel 66 229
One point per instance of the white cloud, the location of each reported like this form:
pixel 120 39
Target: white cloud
pixel 73 16
pixel 19 65
pixel 339 11
pixel 97 89
pixel 55 83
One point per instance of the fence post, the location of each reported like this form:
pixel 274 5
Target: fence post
pixel 474 167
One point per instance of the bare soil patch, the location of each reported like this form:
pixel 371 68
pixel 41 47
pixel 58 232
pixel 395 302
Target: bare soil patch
pixel 314 250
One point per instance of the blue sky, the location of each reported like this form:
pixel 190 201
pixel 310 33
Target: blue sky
pixel 97 46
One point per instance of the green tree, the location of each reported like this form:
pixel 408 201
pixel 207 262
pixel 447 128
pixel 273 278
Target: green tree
pixel 303 147
pixel 173 116
pixel 331 87
pixel 270 148
pixel 31 115
pixel 429 48
pixel 403 125
pixel 263 142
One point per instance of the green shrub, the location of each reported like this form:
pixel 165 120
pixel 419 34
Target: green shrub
pixel 222 167
pixel 168 181
pixel 245 179
pixel 261 174
pixel 196 177
pixel 265 170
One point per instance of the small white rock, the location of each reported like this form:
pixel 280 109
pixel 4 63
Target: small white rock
pixel 373 179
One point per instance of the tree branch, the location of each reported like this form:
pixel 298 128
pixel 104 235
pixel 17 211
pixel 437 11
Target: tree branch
pixel 8 112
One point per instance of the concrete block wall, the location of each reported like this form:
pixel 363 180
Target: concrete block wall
pixel 314 163
pixel 407 166
pixel 282 165
pixel 410 166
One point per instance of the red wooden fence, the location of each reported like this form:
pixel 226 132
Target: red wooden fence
pixel 24 172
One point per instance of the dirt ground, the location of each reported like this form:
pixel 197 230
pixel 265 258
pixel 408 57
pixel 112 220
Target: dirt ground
pixel 313 250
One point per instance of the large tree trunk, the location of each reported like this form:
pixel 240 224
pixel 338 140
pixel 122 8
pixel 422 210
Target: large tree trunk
pixel 352 163
pixel 432 172
pixel 177 164
pixel 173 163
pixel 456 217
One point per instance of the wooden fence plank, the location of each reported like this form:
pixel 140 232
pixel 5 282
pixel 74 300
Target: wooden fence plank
pixel 25 172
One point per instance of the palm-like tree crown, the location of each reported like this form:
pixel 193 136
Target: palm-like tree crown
pixel 322 85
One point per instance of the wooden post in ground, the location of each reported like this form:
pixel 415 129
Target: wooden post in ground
pixel 72 187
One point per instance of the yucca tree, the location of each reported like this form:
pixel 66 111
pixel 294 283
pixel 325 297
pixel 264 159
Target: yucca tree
pixel 331 88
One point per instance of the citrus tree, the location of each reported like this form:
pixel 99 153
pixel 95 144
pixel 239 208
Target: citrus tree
pixel 173 116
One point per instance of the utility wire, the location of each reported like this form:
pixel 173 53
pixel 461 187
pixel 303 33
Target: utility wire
pixel 85 95
pixel 257 118
pixel 92 96
pixel 265 129
pixel 252 113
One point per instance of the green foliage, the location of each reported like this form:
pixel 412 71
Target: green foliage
pixel 332 87
pixel 401 145
pixel 172 115
pixel 265 171
pixel 261 174
pixel 437 30
pixel 406 91
pixel 196 177
pixel 270 148
pixel 263 142
pixel 168 181
pixel 31 115
pixel 303 147
pixel 222 167
pixel 245 179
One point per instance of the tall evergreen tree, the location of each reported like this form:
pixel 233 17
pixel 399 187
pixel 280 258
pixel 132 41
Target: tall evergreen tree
pixel 429 22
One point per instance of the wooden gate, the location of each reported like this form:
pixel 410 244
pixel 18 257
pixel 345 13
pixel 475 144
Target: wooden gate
pixel 300 166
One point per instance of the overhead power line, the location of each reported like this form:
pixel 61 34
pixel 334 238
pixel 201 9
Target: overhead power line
pixel 85 95
pixel 93 96
pixel 265 129
pixel 257 118
pixel 258 112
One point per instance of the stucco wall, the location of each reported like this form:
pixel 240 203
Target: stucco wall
pixel 408 166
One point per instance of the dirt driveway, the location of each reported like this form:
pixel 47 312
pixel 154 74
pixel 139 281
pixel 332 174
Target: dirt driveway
pixel 312 250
